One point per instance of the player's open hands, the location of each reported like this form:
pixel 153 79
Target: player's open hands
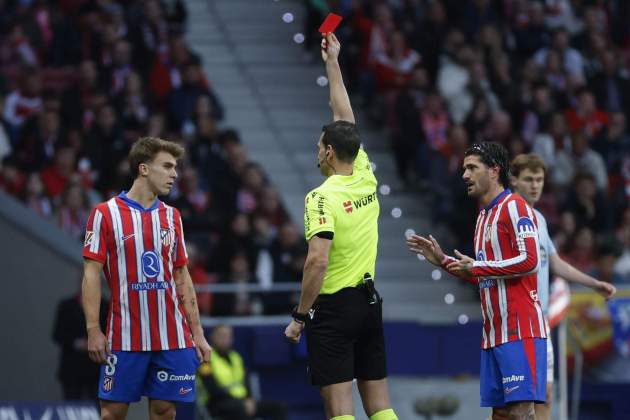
pixel 607 290
pixel 330 47
pixel 202 347
pixel 461 266
pixel 293 332
pixel 97 346
pixel 428 247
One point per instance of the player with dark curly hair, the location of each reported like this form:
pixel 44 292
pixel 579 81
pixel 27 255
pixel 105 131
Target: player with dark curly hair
pixel 513 355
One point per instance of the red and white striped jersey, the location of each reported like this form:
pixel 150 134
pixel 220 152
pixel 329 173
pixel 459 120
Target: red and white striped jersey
pixel 507 259
pixel 138 249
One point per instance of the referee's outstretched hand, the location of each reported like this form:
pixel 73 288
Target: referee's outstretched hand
pixel 330 47
pixel 293 332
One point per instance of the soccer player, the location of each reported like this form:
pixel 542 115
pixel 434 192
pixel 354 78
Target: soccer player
pixel 339 307
pixel 154 340
pixel 528 179
pixel 513 355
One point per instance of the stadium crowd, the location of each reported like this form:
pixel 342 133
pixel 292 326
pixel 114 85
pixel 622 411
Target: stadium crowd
pixel 80 81
pixel 549 77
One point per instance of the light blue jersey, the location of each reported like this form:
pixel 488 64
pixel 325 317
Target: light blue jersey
pixel 547 249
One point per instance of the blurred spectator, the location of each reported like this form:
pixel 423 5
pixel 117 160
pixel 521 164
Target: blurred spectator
pixel 105 144
pixel 23 102
pixel 200 277
pixel 73 212
pixel 12 180
pixel 531 33
pixel 240 302
pixel 17 47
pixel 614 143
pixel 622 266
pixel 182 100
pixel 195 204
pixel 35 198
pixel 394 65
pixel 587 204
pixel 553 137
pixel 236 240
pixel 40 136
pixel 288 252
pixel 582 254
pixel 58 174
pixel 76 372
pixel 452 82
pixel 586 117
pixel 253 182
pixel 405 125
pixel 132 104
pixel 608 253
pixel 580 158
pixel 271 207
pixel 611 85
pixel 571 59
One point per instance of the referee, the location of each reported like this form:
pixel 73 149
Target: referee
pixel 339 307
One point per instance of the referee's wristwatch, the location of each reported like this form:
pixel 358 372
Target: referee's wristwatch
pixel 300 318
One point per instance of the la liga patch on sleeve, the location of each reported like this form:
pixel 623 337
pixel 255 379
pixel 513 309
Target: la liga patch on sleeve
pixel 525 228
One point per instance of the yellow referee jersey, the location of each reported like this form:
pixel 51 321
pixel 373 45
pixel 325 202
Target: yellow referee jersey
pixel 348 207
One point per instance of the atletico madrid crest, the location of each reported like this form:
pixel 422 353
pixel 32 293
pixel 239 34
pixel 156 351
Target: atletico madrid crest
pixel 108 383
pixel 167 236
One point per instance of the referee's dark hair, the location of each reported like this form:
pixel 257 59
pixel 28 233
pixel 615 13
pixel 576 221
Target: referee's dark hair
pixel 343 136
pixel 493 154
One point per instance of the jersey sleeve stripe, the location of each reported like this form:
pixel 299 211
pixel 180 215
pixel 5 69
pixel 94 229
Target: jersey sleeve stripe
pixel 178 315
pixel 161 300
pixel 122 276
pixel 490 316
pixel 96 229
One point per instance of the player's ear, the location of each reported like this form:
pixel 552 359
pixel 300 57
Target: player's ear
pixel 143 169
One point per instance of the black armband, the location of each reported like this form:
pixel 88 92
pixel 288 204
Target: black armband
pixel 325 235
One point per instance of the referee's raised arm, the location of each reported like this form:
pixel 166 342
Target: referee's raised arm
pixel 339 99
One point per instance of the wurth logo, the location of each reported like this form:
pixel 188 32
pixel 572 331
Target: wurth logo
pixel 347 205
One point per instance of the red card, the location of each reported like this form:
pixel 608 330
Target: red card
pixel 330 23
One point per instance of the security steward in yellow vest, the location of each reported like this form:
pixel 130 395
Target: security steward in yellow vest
pixel 222 383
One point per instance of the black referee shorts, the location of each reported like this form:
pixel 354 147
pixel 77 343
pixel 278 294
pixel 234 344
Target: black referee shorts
pixel 345 339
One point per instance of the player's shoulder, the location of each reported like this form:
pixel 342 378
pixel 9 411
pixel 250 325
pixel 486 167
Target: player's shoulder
pixel 541 222
pixel 515 197
pixel 162 206
pixel 103 206
pixel 315 193
pixel 519 203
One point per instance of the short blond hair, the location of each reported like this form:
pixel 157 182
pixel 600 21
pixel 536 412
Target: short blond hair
pixel 145 149
pixel 530 161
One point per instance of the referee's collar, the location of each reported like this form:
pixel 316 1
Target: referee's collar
pixel 134 204
pixel 498 198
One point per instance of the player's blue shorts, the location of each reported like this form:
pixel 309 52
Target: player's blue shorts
pixel 514 371
pixel 167 375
